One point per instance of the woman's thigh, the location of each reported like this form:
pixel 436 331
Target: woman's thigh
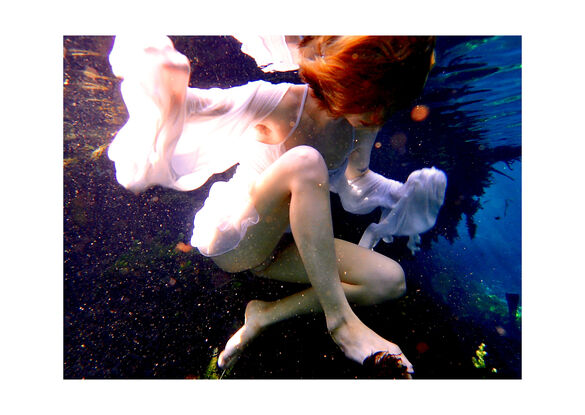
pixel 271 196
pixel 356 266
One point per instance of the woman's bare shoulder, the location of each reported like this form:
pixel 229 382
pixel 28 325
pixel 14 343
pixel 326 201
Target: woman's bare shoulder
pixel 275 128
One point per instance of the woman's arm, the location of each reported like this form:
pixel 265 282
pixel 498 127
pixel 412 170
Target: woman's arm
pixel 359 159
pixel 361 190
pixel 408 208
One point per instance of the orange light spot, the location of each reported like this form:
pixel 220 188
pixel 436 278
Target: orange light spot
pixel 183 247
pixel 419 113
pixel 378 144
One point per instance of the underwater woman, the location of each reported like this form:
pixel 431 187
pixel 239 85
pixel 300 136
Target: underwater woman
pixel 293 145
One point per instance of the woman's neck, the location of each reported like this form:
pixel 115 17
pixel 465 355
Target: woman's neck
pixel 316 112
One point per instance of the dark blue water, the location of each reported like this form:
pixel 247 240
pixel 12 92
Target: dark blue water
pixel 486 73
pixel 493 255
pixel 134 307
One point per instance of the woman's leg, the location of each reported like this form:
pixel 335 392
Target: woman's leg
pixel 367 278
pixel 295 189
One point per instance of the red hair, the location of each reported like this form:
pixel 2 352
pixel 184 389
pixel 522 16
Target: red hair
pixel 358 74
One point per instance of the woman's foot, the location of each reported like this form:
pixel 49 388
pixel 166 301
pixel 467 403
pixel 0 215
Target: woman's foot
pixel 252 327
pixel 384 365
pixel 358 342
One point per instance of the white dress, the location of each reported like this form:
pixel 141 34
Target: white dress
pixel 179 140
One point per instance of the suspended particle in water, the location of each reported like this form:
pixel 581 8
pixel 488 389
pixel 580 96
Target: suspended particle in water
pixel 422 347
pixel 398 142
pixel 183 247
pixel 378 144
pixel 419 113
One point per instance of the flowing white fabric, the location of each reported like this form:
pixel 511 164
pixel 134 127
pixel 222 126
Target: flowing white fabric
pixel 408 209
pixel 221 224
pixel 177 136
pixel 271 53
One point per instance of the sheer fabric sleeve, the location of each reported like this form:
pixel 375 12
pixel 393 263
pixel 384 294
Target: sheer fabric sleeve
pixel 154 85
pixel 178 136
pixel 408 209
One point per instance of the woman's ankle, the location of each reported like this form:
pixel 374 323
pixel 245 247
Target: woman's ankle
pixel 258 314
pixel 339 321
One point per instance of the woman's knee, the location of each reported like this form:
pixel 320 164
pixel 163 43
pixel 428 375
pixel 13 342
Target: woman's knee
pixel 390 285
pixel 307 165
pixel 227 264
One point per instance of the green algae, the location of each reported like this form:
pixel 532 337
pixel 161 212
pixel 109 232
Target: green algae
pixel 479 359
pixel 213 371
